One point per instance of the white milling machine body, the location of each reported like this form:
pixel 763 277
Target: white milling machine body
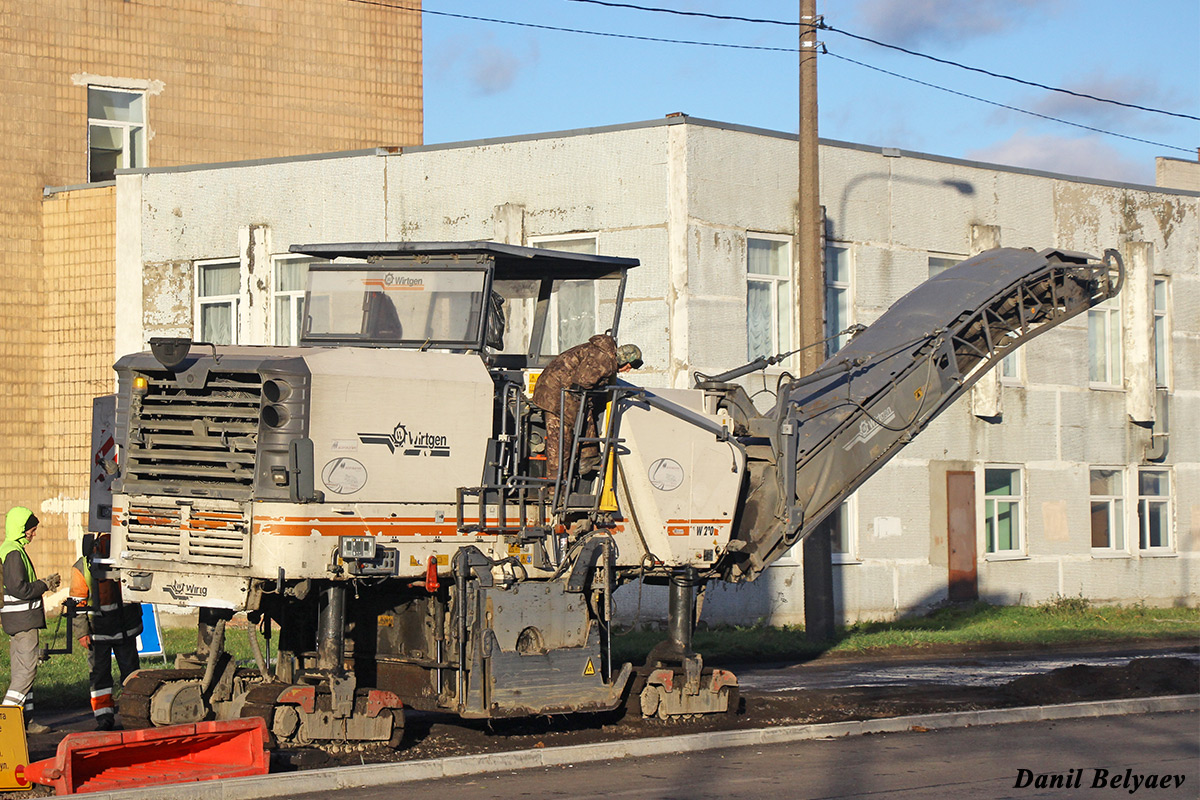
pixel 378 493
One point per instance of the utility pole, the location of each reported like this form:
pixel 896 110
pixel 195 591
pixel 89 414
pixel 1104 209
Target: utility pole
pixel 817 551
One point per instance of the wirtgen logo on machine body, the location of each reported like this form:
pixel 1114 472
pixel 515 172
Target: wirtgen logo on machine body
pixel 185 591
pixel 410 442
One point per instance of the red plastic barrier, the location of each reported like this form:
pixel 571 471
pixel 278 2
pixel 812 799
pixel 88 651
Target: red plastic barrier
pixel 202 751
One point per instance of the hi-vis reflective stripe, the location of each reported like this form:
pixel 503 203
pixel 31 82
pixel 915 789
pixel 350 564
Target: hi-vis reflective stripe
pixel 13 605
pixel 362 526
pixel 14 698
pixel 105 609
pixel 102 701
pixel 113 637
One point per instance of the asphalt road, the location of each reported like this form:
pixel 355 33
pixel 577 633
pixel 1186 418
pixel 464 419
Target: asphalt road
pixel 981 763
pixel 988 669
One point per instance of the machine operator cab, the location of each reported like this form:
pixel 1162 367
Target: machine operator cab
pixel 517 307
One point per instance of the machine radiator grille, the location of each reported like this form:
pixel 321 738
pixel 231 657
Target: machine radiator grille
pixel 194 441
pixel 188 534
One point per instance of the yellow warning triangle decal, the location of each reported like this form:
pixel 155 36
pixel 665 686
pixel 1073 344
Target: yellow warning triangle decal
pixel 589 669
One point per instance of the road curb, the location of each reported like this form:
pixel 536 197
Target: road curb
pixel 338 778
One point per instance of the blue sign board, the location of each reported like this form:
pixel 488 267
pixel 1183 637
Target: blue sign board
pixel 150 642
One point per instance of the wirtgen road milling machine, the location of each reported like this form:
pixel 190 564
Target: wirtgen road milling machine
pixel 379 495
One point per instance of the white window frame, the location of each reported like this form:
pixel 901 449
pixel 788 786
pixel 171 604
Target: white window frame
pixel 1162 371
pixel 849 509
pixel 126 129
pixel 295 297
pixel 844 286
pixel 1166 501
pixel 1020 549
pixel 774 282
pixel 234 300
pixel 547 241
pixel 1012 368
pixel 1110 312
pixel 1117 513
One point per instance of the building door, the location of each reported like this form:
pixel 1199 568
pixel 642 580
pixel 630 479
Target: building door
pixel 960 538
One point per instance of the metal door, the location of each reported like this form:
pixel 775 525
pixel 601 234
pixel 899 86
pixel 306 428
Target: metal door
pixel 960 538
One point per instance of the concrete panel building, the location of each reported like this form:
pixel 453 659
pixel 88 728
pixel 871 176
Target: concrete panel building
pixel 94 86
pixel 1070 471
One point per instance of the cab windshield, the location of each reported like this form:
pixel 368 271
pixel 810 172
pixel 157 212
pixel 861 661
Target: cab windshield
pixel 432 306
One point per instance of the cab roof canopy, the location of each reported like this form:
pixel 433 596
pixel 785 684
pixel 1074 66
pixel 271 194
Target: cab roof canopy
pixel 513 262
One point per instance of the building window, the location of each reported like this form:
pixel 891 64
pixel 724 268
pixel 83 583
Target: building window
pixel 217 296
pixel 1104 344
pixel 291 274
pixel 1154 510
pixel 116 131
pixel 841 526
pixel 1002 510
pixel 838 298
pixel 572 318
pixel 768 296
pixel 1108 508
pixel 939 264
pixel 1010 367
pixel 1162 334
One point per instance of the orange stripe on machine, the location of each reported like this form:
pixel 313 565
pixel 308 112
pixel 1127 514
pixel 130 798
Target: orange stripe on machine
pixel 358 526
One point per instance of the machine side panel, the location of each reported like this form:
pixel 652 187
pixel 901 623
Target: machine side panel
pixel 389 423
pixel 682 483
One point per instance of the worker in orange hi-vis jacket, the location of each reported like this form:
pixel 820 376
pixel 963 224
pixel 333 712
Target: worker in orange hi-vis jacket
pixel 104 627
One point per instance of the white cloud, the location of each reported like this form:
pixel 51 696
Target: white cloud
pixel 1137 90
pixel 913 22
pixel 1086 157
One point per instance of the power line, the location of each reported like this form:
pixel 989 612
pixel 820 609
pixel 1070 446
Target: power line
pixel 677 12
pixel 1002 105
pixel 918 54
pixel 1007 77
pixel 573 30
pixel 793 50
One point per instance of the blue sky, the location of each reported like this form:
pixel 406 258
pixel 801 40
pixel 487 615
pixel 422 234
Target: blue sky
pixel 486 79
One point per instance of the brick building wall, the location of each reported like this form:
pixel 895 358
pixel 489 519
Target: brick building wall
pixel 78 247
pixel 224 80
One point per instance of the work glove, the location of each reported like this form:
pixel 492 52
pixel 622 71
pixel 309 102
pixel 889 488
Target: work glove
pixel 86 642
pixel 52 582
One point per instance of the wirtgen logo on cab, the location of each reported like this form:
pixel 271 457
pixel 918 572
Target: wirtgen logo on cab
pixel 410 442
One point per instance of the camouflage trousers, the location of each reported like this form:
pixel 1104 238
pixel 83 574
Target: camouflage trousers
pixel 589 455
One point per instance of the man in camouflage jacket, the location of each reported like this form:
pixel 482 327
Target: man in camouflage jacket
pixel 584 366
